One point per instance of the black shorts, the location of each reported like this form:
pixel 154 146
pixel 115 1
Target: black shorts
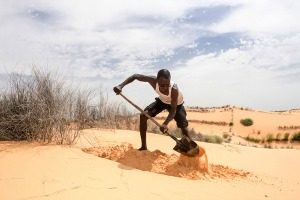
pixel 158 106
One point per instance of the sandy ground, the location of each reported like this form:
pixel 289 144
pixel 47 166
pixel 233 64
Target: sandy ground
pixel 33 171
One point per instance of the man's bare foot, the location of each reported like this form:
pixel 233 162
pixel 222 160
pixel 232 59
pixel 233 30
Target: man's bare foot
pixel 142 149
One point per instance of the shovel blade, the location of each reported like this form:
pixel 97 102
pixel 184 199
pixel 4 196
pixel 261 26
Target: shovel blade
pixel 187 147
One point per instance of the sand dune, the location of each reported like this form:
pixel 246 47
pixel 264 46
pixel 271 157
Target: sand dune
pixel 32 171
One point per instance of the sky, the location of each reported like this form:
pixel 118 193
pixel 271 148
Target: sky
pixel 219 52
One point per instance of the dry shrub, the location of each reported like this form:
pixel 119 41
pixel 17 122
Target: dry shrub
pixel 37 108
pixel 112 115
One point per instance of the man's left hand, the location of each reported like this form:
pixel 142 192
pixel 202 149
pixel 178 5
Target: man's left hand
pixel 164 128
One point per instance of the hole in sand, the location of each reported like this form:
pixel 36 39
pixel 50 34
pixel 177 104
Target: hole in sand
pixel 172 165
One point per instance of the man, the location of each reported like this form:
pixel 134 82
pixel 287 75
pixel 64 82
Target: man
pixel 170 98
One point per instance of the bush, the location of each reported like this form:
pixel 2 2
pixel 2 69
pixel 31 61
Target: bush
pixel 278 137
pixel 286 137
pixel 296 137
pixel 252 139
pixel 212 139
pixel 155 130
pixel 176 132
pixel 196 136
pixel 40 107
pixel 225 135
pixel 193 133
pixel 269 146
pixel 36 108
pixel 270 138
pixel 246 122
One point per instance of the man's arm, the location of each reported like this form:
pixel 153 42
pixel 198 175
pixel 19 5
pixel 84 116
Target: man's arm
pixel 149 79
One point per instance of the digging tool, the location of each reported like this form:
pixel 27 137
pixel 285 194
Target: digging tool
pixel 185 145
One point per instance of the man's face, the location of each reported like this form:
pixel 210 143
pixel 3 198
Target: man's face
pixel 163 84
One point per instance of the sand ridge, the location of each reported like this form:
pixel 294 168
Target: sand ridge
pixel 162 163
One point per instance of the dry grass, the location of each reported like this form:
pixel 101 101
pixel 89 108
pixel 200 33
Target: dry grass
pixel 36 108
pixel 42 108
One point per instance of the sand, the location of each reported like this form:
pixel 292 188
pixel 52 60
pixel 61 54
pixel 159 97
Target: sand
pixel 33 171
pixel 172 165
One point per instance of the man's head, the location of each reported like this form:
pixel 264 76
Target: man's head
pixel 164 73
pixel 163 79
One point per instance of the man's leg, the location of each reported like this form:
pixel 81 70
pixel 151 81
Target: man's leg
pixel 185 132
pixel 182 123
pixel 143 131
pixel 153 109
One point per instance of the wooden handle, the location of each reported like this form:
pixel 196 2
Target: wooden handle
pixel 147 115
pixel 141 110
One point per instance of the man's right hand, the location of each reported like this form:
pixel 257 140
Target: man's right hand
pixel 117 89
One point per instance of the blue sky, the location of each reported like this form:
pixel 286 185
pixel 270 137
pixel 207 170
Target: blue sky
pixel 244 53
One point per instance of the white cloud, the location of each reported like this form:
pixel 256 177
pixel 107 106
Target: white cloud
pixel 111 39
pixel 97 26
pixel 273 17
pixel 247 76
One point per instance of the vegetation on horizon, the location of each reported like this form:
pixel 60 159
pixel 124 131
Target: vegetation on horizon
pixel 270 138
pixel 292 127
pixel 246 122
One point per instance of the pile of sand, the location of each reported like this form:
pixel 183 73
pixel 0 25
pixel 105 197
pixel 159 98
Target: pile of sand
pixel 172 165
